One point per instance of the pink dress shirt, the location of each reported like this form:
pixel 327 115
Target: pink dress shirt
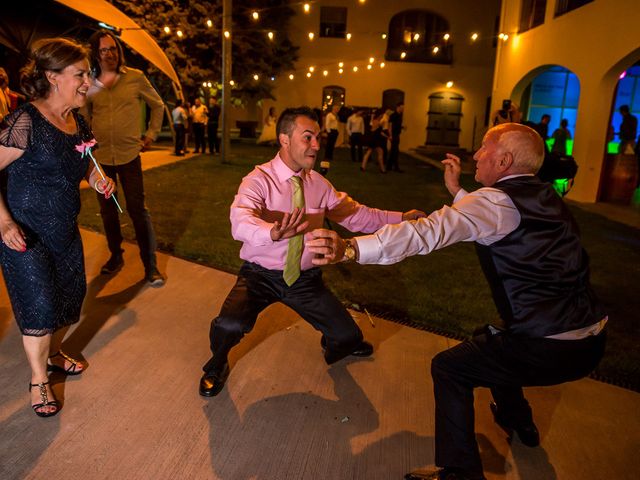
pixel 265 195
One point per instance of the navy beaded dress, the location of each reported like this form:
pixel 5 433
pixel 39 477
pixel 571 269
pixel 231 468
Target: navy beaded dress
pixel 46 283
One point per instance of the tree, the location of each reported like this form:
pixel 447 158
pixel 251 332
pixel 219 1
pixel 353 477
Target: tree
pixel 197 54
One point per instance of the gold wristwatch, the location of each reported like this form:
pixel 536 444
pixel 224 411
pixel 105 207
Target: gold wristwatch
pixel 350 253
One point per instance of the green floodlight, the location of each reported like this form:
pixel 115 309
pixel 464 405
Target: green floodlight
pixel 562 185
pixel 569 145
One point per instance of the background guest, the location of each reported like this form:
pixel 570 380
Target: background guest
pixel 560 137
pixel 199 114
pixel 268 133
pixel 355 130
pixel 114 110
pixel 180 119
pixel 212 126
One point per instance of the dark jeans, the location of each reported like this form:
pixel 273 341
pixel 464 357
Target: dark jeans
pixel 331 144
pixel 198 134
pixel 180 136
pixel 129 177
pixel 355 140
pixel 392 159
pixel 257 288
pixel 212 136
pixel 504 364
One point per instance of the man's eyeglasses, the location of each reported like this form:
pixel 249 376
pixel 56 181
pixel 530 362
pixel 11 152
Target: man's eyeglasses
pixel 104 51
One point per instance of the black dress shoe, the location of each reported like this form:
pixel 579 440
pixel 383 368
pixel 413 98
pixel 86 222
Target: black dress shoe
pixel 363 349
pixel 443 474
pixel 113 265
pixel 211 384
pixel 528 434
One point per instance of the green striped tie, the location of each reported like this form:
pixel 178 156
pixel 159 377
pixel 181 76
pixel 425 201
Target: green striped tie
pixel 294 251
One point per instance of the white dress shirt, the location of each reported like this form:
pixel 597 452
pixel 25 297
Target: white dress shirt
pixel 484 216
pixel 355 124
pixel 330 122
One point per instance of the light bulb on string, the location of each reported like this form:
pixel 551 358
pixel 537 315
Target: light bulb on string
pixel 369 67
pixel 355 69
pixel 381 64
pixel 167 30
pixel 209 23
pixel 436 49
pixel 403 54
pixel 311 35
pixel 449 84
pixel 348 36
pixel 341 64
pixel 308 74
pixel 306 8
pixel 384 36
pixel 371 59
pixel 227 34
pixel 179 33
pixel 446 37
pixel 270 35
pixel 474 37
pixel 291 76
pixel 255 15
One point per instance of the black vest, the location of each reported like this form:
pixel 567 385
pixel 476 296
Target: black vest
pixel 539 273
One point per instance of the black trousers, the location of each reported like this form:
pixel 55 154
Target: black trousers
pixel 257 288
pixel 180 137
pixel 331 144
pixel 129 178
pixel 355 140
pixel 504 364
pixel 198 134
pixel 394 151
pixel 212 137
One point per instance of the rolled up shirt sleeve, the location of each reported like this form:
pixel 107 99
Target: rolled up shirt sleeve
pixel 486 216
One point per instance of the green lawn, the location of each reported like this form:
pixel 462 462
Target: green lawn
pixel 444 292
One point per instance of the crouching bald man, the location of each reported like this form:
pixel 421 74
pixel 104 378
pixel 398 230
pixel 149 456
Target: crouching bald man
pixel 530 252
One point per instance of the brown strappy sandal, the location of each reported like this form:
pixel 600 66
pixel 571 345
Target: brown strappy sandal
pixel 45 401
pixel 73 368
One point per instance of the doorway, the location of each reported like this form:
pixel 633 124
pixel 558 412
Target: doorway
pixel 445 112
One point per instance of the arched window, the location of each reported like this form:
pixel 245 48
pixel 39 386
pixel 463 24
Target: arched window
pixel 333 95
pixel 419 36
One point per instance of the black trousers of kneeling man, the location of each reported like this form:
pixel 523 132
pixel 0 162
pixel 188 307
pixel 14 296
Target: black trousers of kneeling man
pixel 504 363
pixel 257 288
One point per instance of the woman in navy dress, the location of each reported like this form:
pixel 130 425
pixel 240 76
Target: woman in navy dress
pixel 41 252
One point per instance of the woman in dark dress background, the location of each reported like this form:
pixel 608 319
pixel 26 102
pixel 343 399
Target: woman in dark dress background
pixel 41 252
pixel 377 142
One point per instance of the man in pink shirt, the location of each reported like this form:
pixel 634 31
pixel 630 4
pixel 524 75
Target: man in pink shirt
pixel 264 218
